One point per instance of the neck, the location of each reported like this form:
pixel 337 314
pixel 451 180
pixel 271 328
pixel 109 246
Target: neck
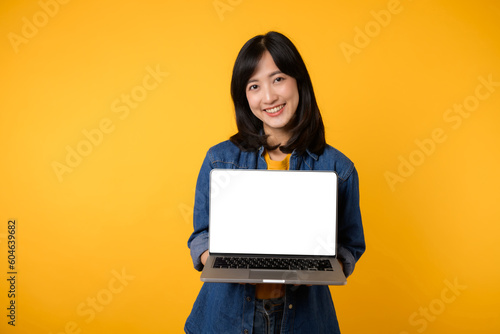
pixel 276 137
pixel 277 155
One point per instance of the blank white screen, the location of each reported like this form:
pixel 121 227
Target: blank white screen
pixel 273 212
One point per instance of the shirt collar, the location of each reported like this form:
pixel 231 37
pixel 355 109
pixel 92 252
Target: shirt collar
pixel 294 153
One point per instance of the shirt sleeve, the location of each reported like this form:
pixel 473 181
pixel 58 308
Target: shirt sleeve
pixel 351 238
pixel 198 241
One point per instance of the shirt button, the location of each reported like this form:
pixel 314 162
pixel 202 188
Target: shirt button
pixel 249 299
pixel 290 306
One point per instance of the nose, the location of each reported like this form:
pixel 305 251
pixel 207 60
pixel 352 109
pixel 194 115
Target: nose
pixel 269 95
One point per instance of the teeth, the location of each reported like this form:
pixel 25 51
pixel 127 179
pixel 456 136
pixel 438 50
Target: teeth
pixel 275 109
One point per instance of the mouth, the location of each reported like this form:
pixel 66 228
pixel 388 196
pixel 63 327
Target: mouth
pixel 275 111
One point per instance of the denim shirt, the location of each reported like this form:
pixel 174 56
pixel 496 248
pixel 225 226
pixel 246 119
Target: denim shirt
pixel 229 307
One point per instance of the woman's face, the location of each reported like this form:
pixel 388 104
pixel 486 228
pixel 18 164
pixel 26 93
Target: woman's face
pixel 272 96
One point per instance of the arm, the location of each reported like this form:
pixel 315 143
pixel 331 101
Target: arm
pixel 351 239
pixel 198 241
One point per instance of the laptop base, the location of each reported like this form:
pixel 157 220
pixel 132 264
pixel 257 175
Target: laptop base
pixel 241 275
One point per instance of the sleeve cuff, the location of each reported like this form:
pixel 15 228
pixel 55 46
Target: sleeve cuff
pixel 347 259
pixel 198 246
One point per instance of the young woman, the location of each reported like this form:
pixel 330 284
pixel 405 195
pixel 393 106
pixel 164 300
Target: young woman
pixel 279 127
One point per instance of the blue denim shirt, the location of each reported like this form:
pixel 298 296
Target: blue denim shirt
pixel 229 308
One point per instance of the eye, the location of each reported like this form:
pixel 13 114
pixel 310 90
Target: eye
pixel 278 79
pixel 252 87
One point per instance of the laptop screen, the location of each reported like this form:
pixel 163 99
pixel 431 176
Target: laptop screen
pixel 273 212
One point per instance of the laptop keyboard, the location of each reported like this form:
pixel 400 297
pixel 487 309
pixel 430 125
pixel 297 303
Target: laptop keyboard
pixel 271 263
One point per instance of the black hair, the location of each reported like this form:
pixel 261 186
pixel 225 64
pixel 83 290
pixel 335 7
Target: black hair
pixel 306 126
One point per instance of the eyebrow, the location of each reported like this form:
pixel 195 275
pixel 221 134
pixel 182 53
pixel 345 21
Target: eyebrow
pixel 270 75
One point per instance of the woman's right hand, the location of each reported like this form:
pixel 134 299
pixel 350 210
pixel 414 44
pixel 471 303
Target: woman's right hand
pixel 203 257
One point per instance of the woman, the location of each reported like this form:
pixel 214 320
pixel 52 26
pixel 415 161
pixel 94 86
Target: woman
pixel 279 127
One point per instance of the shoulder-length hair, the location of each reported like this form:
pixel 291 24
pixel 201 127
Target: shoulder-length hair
pixel 306 126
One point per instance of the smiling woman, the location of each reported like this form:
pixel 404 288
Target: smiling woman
pixel 279 127
pixel 268 73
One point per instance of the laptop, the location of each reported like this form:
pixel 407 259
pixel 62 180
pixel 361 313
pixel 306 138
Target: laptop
pixel 273 226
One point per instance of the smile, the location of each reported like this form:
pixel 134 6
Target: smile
pixel 275 109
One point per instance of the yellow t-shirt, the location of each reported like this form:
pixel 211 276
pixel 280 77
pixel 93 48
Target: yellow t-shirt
pixel 277 165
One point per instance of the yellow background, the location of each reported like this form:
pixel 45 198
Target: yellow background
pixel 126 206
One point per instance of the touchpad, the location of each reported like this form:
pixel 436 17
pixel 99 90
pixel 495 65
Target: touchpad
pixel 272 274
